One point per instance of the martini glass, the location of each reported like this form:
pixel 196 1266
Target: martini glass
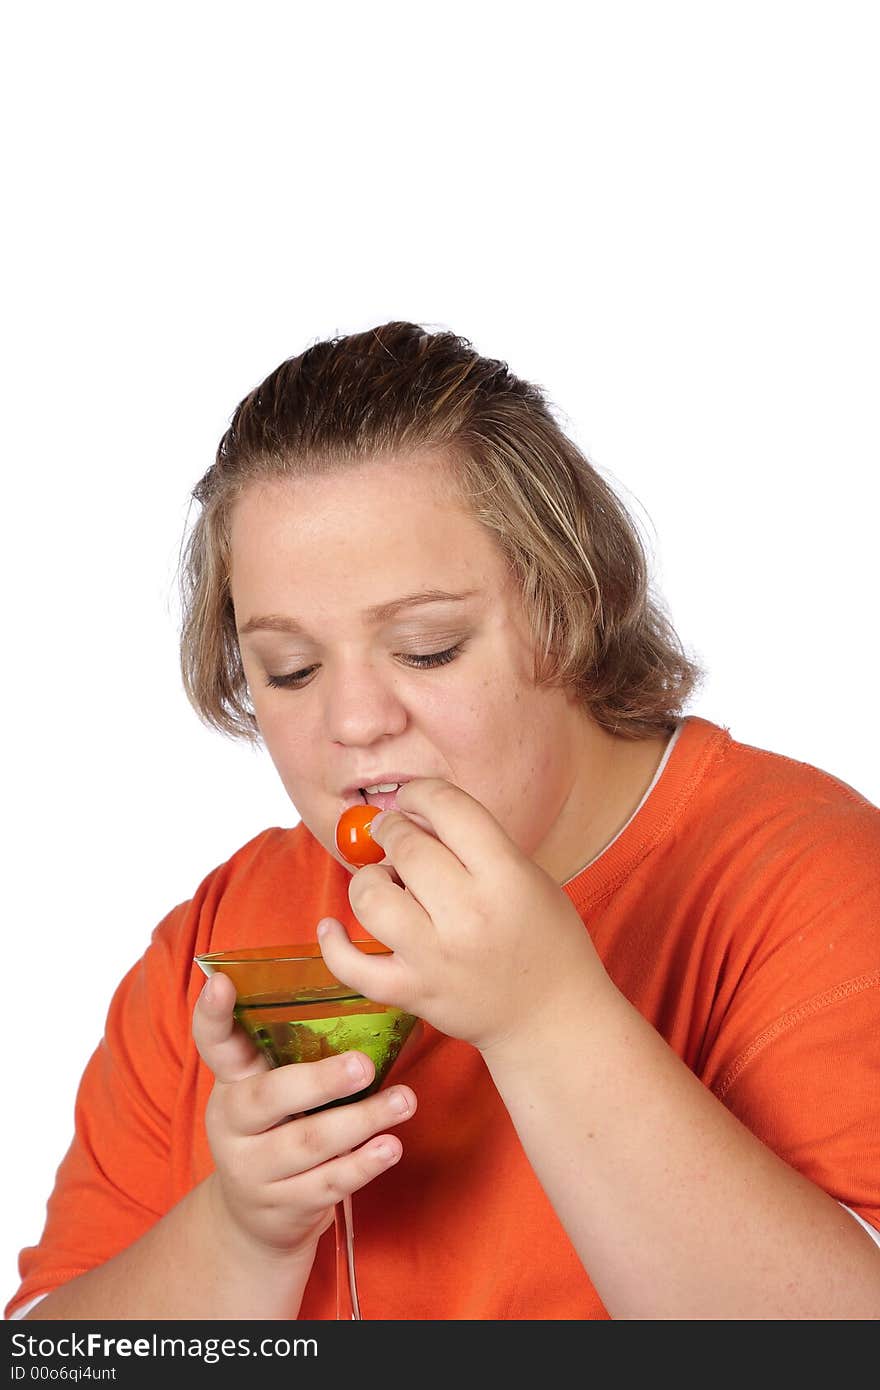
pixel 295 1010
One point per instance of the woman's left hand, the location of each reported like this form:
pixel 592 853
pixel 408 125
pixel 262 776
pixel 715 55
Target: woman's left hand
pixel 483 939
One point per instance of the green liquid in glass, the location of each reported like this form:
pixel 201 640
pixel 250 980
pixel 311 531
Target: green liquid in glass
pixel 324 1023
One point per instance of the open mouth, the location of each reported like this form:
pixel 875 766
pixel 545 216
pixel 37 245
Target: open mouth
pixel 384 795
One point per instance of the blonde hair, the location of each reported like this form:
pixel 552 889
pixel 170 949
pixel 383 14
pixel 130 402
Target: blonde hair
pixel 569 542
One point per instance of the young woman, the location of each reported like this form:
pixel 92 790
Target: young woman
pixel 645 955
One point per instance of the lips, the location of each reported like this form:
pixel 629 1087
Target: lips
pixel 384 800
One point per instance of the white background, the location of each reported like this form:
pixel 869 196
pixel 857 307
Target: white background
pixel 665 214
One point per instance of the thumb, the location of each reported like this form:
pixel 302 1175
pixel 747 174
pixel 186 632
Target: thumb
pixel 222 1044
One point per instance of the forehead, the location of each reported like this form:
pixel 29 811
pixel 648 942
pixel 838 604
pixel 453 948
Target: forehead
pixel 395 520
pixel 421 477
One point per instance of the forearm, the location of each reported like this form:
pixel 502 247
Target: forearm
pixel 675 1208
pixel 191 1265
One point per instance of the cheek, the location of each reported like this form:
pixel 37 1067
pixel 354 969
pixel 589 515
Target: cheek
pixel 289 742
pixel 518 754
pixel 491 731
pixel 466 722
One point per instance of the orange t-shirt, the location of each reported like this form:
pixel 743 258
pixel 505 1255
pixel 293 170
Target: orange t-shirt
pixel 739 911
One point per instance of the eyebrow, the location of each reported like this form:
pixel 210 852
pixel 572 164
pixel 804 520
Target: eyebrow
pixel 379 613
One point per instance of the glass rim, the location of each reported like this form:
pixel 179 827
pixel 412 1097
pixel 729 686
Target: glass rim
pixel 276 955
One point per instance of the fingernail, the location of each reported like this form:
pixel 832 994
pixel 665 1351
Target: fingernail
pixel 354 1065
pixel 209 990
pixel 398 1101
pixel 374 824
pixel 386 1149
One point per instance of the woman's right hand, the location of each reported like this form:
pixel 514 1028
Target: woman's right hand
pixel 279 1172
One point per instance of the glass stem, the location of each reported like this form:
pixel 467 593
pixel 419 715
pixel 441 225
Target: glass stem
pixel 347 1306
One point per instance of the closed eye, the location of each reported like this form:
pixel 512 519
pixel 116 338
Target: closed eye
pixel 433 658
pixel 421 662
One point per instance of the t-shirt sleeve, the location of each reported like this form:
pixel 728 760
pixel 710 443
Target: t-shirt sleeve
pixel 797 1058
pixel 114 1181
pixel 810 1088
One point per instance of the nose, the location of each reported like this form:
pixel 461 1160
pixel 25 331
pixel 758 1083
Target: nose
pixel 361 705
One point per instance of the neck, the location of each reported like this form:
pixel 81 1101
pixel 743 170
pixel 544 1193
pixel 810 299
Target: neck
pixel 612 775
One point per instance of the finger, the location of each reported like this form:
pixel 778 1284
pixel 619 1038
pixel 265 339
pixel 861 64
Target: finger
pixel 222 1044
pixel 313 1139
pixel 386 908
pixel 379 978
pixel 330 1182
pixel 385 870
pixel 428 868
pixel 290 1090
pixel 462 823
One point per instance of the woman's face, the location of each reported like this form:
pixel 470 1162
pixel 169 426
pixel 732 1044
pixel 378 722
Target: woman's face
pixel 319 557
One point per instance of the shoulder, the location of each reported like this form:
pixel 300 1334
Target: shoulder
pixel 782 879
pixel 273 889
pixel 765 806
pixel 767 872
pixel 269 858
pixel 786 773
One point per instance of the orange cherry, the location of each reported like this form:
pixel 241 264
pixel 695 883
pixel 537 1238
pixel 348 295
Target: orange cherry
pixel 353 838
